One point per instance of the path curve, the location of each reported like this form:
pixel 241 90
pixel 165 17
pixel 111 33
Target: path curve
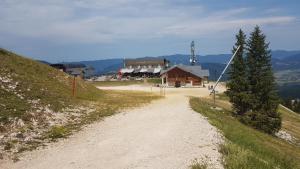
pixel 165 134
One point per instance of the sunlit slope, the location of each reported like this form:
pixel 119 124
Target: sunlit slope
pixel 27 85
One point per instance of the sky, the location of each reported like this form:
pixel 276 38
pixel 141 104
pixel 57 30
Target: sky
pixel 76 30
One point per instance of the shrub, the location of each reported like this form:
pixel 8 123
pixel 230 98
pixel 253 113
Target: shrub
pixel 57 132
pixel 262 121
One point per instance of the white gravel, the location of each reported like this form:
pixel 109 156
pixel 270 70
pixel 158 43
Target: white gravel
pixel 165 134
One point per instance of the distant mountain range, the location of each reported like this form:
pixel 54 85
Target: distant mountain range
pixel 286 65
pixel 281 60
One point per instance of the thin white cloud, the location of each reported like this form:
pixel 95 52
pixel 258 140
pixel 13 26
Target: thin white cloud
pixel 213 25
pixel 106 21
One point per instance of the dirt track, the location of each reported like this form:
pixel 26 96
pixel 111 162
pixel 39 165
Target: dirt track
pixel 165 134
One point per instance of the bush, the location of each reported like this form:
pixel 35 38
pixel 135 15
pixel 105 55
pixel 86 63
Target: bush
pixel 57 132
pixel 8 146
pixel 262 121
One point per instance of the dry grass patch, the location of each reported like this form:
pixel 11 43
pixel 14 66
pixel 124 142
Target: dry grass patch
pixel 291 123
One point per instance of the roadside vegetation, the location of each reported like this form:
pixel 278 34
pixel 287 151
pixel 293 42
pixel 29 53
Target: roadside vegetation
pixel 259 133
pixel 37 106
pixel 246 147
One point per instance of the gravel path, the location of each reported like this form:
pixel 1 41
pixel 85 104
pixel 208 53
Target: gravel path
pixel 165 134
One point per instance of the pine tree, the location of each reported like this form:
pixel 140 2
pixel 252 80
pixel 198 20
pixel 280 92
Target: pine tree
pixel 263 96
pixel 297 106
pixel 237 84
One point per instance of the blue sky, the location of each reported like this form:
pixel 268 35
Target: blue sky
pixel 74 30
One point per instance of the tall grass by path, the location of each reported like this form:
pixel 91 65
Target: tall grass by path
pixel 245 147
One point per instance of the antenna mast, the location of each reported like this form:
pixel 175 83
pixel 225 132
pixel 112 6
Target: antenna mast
pixel 124 63
pixel 193 56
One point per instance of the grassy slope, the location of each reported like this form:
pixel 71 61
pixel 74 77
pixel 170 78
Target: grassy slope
pixel 246 147
pixel 24 81
pixel 34 81
pixel 291 123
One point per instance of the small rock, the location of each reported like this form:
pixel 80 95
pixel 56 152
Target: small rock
pixel 27 139
pixel 20 123
pixel 13 134
pixel 285 135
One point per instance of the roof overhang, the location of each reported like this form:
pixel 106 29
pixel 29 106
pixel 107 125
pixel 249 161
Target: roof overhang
pixel 199 73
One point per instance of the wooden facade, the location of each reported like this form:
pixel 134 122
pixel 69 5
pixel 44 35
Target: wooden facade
pixel 177 77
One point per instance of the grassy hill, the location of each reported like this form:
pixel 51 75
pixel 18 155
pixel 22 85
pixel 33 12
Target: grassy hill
pixel 27 86
pixel 37 106
pixel 248 148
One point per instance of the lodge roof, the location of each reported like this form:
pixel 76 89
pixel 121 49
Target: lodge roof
pixel 195 70
pixel 145 61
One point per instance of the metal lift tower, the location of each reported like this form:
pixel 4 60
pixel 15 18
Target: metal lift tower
pixel 193 56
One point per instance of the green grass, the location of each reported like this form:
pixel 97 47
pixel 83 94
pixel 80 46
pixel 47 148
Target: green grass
pixel 29 81
pixel 290 119
pixel 36 81
pixel 53 88
pixel 57 132
pixel 246 147
pixel 154 80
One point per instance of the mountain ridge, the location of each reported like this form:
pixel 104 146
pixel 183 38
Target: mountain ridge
pixel 281 60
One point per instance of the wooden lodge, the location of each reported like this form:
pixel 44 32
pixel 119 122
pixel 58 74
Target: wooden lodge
pixel 184 76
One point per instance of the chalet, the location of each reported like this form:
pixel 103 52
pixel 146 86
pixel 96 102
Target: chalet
pixel 183 75
pixel 143 67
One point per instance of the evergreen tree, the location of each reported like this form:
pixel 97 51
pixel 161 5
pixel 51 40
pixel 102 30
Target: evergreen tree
pixel 297 106
pixel 237 84
pixel 263 96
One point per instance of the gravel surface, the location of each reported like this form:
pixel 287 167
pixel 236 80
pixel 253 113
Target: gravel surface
pixel 165 134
